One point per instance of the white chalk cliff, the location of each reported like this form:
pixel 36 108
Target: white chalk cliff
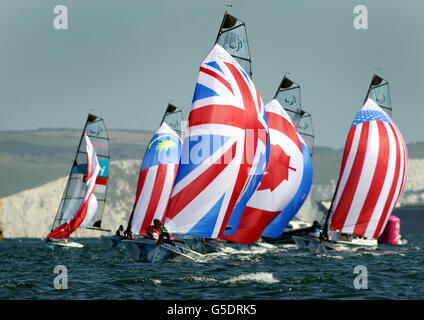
pixel 30 213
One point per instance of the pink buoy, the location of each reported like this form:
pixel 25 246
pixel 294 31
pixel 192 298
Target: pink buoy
pixel 391 233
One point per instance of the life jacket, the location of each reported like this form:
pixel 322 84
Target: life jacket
pixel 153 232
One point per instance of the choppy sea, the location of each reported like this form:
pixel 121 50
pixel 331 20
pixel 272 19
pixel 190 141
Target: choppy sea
pixel 282 272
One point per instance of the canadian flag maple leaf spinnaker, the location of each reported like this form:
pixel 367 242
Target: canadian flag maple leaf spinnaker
pixel 279 184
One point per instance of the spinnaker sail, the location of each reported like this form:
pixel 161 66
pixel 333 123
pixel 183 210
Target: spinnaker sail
pixel 276 228
pixel 156 178
pixel 225 150
pixel 379 92
pixel 88 206
pixel 74 192
pixel 372 175
pixel 288 94
pixel 232 36
pixel 282 178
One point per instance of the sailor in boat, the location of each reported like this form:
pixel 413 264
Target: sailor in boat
pixel 128 234
pixel 315 230
pixel 120 232
pixel 158 232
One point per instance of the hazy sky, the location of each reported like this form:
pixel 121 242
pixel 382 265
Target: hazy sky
pixel 125 60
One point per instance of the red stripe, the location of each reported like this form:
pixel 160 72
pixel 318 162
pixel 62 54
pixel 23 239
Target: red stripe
pixel 405 159
pixel 154 198
pixel 251 226
pixel 340 213
pixel 217 114
pixel 218 77
pixel 251 121
pixel 376 183
pixel 281 124
pixel 141 179
pixel 187 195
pixel 346 153
pixel 389 200
pixel 101 180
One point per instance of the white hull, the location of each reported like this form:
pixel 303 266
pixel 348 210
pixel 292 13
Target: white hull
pixel 319 245
pixel 63 244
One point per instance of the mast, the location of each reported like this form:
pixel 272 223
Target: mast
pixel 54 225
pixel 232 36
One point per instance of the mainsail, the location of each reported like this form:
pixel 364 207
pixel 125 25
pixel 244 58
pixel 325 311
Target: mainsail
pixel 73 196
pixel 156 178
pixel 288 95
pixel 173 118
pixel 88 207
pixel 232 36
pixel 379 92
pixel 225 150
pixel 282 178
pixel 306 130
pixel 372 175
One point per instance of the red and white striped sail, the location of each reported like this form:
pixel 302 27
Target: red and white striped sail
pixel 372 175
pixel 88 206
pixel 282 177
pixel 156 178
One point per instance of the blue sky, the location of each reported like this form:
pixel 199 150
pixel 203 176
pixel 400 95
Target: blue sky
pixel 125 60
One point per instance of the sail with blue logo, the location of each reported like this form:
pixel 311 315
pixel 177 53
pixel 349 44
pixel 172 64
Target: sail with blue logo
pixel 75 188
pixel 225 150
pixel 156 178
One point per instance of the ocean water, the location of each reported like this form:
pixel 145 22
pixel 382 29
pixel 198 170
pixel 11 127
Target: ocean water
pixel 282 272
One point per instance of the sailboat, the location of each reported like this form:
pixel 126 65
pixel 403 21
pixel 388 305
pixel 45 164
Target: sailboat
pixel 372 177
pixel 156 179
pixel 282 228
pixel 83 201
pixel 217 176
